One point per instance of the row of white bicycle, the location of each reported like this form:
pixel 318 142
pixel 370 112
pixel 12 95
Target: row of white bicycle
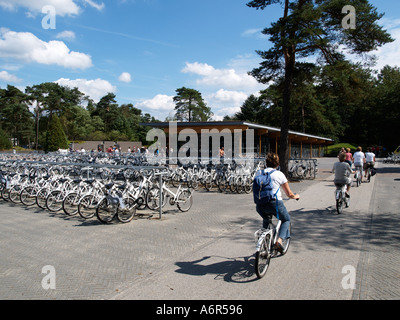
pixel 113 197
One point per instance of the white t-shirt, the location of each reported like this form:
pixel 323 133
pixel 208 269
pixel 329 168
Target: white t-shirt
pixel 358 158
pixel 278 178
pixel 370 156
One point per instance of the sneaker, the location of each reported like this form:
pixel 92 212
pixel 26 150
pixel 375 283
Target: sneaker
pixel 347 195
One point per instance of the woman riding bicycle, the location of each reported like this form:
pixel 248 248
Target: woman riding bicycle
pixel 278 180
pixel 359 160
pixel 342 172
pixel 369 160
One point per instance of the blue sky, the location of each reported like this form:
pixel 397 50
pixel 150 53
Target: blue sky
pixel 143 50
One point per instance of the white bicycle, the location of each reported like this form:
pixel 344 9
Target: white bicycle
pixel 266 248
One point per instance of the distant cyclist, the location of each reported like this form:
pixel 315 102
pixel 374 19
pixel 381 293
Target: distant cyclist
pixel 359 160
pixel 369 160
pixel 342 172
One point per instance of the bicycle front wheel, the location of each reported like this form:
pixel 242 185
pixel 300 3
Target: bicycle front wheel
pixel 70 204
pixel 105 212
pixel 263 258
pixel 126 214
pixel 28 196
pixel 54 201
pixel 87 206
pixel 286 242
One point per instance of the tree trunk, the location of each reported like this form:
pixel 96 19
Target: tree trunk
pixel 284 139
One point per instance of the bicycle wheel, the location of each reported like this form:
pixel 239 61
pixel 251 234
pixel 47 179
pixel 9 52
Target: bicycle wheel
pixel 286 242
pixel 125 215
pixel 185 201
pixel 15 191
pixel 28 196
pixel 41 198
pixel 87 206
pixel 5 194
pixel 70 204
pixel 153 199
pixel 263 258
pixel 54 201
pixel 105 212
pixel 339 204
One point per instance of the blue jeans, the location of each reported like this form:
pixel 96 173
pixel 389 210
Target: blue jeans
pixel 265 210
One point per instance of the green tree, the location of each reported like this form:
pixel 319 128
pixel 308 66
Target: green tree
pixel 5 142
pixel 251 110
pixel 190 106
pixel 15 115
pixel 55 138
pixel 307 28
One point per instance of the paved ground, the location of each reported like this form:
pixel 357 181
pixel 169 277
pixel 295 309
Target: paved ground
pixel 207 253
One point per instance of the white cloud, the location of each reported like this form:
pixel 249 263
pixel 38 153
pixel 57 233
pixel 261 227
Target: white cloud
pixel 225 78
pixel 125 77
pixel 7 77
pixel 63 7
pixel 159 102
pixel 67 35
pixel 95 5
pixel 95 89
pixel 26 47
pixel 389 53
pixel 161 106
pixel 225 102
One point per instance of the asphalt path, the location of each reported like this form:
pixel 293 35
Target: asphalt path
pixel 208 252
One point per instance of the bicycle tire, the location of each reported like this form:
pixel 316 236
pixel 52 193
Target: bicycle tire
pixel 286 242
pixel 87 206
pixel 153 199
pixel 185 201
pixel 105 213
pixel 126 215
pixel 41 197
pixel 263 258
pixel 28 196
pixel 70 204
pixel 54 201
pixel 15 191
pixel 339 204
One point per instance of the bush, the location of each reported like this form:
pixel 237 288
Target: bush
pixel 333 150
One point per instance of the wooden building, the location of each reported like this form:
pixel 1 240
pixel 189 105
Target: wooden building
pixel 264 138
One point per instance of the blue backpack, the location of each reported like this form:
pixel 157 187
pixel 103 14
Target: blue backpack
pixel 262 188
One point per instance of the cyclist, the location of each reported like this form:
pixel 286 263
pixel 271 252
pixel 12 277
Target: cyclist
pixel 359 160
pixel 369 160
pixel 342 172
pixel 278 180
pixel 349 157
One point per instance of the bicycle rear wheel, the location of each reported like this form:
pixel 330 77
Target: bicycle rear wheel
pixel 185 200
pixel 339 204
pixel 263 258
